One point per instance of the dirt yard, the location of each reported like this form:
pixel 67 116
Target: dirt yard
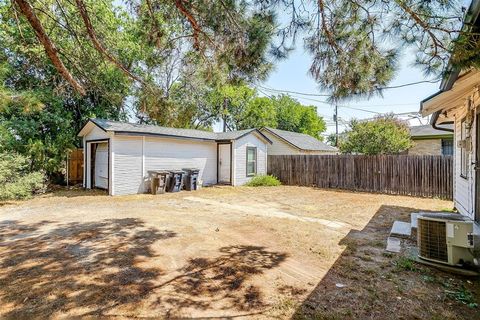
pixel 278 252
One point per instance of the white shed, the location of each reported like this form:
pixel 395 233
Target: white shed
pixel 291 143
pixel 118 155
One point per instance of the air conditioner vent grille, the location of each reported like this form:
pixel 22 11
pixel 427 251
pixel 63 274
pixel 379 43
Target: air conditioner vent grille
pixel 432 240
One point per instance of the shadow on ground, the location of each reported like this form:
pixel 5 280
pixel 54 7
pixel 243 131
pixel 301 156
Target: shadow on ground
pixel 98 269
pixel 366 282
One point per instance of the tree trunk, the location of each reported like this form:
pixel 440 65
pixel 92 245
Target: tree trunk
pixel 48 45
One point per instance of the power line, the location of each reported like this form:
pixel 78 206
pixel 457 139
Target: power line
pixel 343 106
pixel 327 95
pixel 294 92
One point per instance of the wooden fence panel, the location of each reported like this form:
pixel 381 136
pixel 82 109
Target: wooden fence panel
pixel 75 166
pixel 423 176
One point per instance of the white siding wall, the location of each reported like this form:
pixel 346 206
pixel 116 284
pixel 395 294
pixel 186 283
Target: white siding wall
pixel 96 133
pixel 464 188
pixel 164 153
pixel 127 165
pixel 134 156
pixel 240 160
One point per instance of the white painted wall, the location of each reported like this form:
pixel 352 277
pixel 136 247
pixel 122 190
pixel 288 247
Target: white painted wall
pixel 280 147
pixel 134 156
pixel 170 154
pixel 127 165
pixel 240 158
pixel 464 187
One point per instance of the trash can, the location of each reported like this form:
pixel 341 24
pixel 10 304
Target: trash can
pixel 158 181
pixel 175 181
pixel 191 179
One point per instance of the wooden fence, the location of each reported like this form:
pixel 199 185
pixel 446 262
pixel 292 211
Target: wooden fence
pixel 75 166
pixel 424 176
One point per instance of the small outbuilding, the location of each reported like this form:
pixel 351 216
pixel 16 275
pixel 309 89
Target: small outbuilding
pixel 118 155
pixel 291 143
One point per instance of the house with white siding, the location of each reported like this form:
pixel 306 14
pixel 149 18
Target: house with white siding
pixel 291 143
pixel 118 155
pixel 458 103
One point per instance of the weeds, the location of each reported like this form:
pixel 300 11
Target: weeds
pixel 463 296
pixel 406 264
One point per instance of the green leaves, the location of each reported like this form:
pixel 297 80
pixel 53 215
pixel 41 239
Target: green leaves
pixel 293 116
pixel 384 135
pixel 16 180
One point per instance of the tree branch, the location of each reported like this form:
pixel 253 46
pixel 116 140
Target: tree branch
pixel 48 45
pixel 98 46
pixel 193 22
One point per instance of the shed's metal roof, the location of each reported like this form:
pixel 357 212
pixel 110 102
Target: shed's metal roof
pixel 148 129
pixel 301 140
pixel 428 130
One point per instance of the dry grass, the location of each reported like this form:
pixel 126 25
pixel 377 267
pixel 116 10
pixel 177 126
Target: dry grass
pixel 252 252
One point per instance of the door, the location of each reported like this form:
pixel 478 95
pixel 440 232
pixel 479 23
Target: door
pixel 101 166
pixel 225 163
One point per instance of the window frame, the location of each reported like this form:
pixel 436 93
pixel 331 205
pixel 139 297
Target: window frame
pixel 447 144
pixel 255 161
pixel 463 151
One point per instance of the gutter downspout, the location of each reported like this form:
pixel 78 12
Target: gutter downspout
pixel 434 119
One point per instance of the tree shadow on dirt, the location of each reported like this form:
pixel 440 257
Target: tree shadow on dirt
pixel 366 282
pixel 90 267
pixel 204 281
pixel 102 269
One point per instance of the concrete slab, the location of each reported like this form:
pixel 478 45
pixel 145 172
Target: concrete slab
pixel 414 219
pixel 401 229
pixel 394 244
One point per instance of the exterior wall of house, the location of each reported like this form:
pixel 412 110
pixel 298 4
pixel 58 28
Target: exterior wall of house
pixel 97 133
pixel 431 147
pixel 240 158
pixel 171 154
pixel 464 186
pixel 127 165
pixel 280 147
pixel 134 156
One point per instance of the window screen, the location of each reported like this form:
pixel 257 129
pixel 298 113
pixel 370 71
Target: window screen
pixel 251 161
pixel 447 147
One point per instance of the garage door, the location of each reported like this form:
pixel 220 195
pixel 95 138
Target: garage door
pixel 101 166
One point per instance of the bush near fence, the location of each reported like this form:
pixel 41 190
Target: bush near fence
pixel 424 176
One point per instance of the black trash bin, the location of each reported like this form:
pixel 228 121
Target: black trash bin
pixel 175 183
pixel 158 181
pixel 191 179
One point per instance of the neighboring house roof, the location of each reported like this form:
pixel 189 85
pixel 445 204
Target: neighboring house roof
pixel 148 129
pixel 427 131
pixel 300 140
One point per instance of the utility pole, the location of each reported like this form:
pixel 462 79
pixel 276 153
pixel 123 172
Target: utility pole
pixel 335 118
pixel 225 105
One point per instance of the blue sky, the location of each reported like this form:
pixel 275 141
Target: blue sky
pixel 292 74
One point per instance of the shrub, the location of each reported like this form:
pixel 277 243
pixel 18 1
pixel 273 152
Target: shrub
pixel 264 181
pixel 16 181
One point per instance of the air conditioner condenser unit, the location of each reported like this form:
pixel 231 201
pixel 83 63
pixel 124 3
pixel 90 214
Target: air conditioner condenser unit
pixel 446 238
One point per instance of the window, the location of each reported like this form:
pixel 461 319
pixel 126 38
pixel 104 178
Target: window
pixel 251 161
pixel 447 147
pixel 463 150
